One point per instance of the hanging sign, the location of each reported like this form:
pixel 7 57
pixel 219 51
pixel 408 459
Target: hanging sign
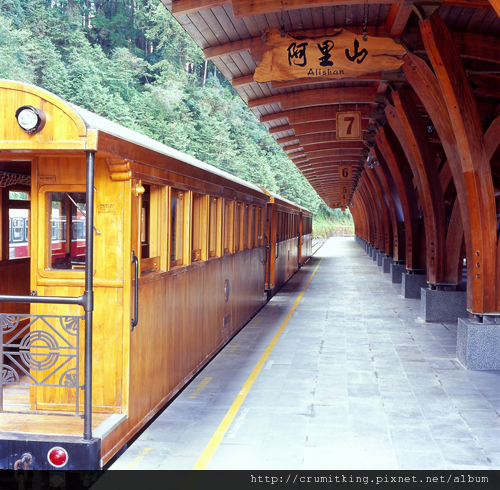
pixel 344 189
pixel 343 54
pixel 349 125
pixel 345 172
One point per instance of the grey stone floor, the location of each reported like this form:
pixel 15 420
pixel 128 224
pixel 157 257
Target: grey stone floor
pixel 356 381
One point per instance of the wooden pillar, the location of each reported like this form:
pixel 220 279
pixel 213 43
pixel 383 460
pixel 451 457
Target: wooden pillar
pixel 394 206
pixel 386 238
pixel 370 213
pixel 406 122
pixel 475 165
pixel 393 154
pixel 375 213
pixel 426 86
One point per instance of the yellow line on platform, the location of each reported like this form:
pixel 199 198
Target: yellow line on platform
pixel 213 444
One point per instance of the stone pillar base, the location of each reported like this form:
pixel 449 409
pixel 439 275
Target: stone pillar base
pixel 478 345
pixel 386 264
pixel 397 271
pixel 411 285
pixel 443 306
pixel 374 254
pixel 380 258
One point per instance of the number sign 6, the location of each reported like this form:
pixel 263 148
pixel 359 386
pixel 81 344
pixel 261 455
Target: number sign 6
pixel 345 172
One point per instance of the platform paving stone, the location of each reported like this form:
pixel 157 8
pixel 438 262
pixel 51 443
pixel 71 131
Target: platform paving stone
pixel 357 381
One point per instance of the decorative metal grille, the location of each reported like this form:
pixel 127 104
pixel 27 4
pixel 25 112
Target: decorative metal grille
pixel 46 344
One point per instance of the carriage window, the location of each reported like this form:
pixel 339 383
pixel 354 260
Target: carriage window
pixel 237 222
pixel 19 210
pixel 176 222
pixel 66 211
pixel 259 228
pixel 213 214
pixel 244 227
pixel 197 228
pixel 251 226
pixel 228 220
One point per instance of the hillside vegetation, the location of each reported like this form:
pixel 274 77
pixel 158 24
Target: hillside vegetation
pixel 131 62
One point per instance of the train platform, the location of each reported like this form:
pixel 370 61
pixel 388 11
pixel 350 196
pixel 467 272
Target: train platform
pixel 336 372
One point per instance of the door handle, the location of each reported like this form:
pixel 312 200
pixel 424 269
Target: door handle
pixel 135 320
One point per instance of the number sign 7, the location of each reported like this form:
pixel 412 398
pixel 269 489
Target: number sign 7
pixel 349 125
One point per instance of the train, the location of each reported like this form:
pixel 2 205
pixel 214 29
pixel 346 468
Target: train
pixel 167 259
pixel 19 236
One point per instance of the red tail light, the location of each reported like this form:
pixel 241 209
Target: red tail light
pixel 57 457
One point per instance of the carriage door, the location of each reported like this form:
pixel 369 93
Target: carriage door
pixel 137 192
pixel 15 251
pixel 145 239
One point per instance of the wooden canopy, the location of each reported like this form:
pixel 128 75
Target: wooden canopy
pixel 389 108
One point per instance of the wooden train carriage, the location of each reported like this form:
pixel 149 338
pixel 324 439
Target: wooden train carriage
pixel 289 248
pixel 177 267
pixel 306 218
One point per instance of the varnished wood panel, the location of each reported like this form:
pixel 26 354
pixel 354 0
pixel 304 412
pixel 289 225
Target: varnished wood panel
pixel 181 327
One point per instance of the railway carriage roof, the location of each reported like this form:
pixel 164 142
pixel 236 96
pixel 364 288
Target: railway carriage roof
pixel 93 121
pixel 276 196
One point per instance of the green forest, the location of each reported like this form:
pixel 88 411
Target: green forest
pixel 131 62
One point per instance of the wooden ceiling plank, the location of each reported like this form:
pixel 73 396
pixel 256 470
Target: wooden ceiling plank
pixel 290 148
pixel 198 29
pixel 318 18
pixel 338 145
pixel 183 7
pixel 251 25
pixel 306 16
pixel 226 24
pixel 334 159
pixel 217 29
pixel 350 14
pixel 476 19
pixel 332 153
pixel 286 139
pixel 315 127
pixel 239 24
pixel 247 58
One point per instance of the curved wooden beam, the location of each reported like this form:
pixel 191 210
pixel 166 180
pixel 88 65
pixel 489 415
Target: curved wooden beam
pixel 318 113
pixel 414 138
pixel 370 213
pixel 393 154
pixel 384 213
pixel 318 97
pixel 454 240
pixel 390 195
pixel 426 85
pixel 475 164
